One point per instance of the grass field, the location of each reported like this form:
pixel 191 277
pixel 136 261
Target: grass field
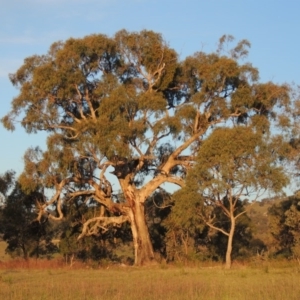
pixel 162 282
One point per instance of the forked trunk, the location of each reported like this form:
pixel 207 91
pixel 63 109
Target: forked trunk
pixel 229 245
pixel 143 250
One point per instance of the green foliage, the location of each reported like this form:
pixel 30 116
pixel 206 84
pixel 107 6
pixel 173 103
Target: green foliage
pixel 238 159
pixel 186 232
pixel 158 209
pixel 24 235
pixel 263 243
pixel 284 218
pixel 88 249
pixel 7 181
pixel 97 247
pixel 189 237
pixel 117 84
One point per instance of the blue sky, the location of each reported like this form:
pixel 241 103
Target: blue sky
pixel 29 27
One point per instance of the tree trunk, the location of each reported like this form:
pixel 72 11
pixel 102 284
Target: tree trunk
pixel 229 244
pixel 24 250
pixel 37 252
pixel 143 250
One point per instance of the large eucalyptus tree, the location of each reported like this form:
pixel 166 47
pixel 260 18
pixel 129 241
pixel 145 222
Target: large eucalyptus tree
pixel 125 110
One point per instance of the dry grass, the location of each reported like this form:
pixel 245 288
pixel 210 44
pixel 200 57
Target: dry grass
pixel 162 282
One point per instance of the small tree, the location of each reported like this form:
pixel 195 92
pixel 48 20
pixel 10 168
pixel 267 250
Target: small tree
pixel 243 233
pixel 24 234
pixel 233 164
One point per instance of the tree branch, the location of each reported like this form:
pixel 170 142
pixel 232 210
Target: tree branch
pixel 153 184
pixel 87 98
pixel 216 228
pixel 101 222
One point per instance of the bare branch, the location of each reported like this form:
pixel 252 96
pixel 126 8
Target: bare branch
pixel 240 214
pixel 62 127
pixel 101 222
pixel 88 100
pixel 80 104
pixel 60 213
pixel 73 117
pixel 73 195
pixel 153 184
